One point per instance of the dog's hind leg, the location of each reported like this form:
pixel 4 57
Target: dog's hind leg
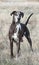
pixel 29 40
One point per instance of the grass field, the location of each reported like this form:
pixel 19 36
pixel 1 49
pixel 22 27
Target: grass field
pixel 27 57
pixel 18 0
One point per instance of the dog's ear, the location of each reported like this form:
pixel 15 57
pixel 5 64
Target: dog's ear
pixel 13 13
pixel 22 14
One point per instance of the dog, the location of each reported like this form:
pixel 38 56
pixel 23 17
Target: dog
pixel 18 30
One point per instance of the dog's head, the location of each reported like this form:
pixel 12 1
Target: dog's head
pixel 17 15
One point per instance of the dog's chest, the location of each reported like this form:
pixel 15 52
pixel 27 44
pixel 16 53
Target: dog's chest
pixel 16 33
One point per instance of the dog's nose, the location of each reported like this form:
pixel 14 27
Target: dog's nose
pixel 18 18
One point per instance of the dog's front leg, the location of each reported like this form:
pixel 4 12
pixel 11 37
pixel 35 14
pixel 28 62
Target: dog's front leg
pixel 18 48
pixel 11 48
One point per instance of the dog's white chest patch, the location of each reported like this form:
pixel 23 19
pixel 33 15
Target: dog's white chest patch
pixel 18 27
pixel 15 36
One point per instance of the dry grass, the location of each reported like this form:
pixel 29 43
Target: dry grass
pixel 18 0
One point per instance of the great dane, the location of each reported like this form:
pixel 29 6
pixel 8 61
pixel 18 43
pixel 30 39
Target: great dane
pixel 18 30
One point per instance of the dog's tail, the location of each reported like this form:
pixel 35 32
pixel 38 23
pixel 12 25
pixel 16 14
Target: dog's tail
pixel 28 18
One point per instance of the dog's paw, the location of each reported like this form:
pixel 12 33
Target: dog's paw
pixel 12 56
pixel 16 58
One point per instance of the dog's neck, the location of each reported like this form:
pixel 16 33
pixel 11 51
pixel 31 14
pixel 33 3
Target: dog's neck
pixel 15 23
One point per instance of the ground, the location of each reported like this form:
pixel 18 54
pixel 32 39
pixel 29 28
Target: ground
pixel 27 57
